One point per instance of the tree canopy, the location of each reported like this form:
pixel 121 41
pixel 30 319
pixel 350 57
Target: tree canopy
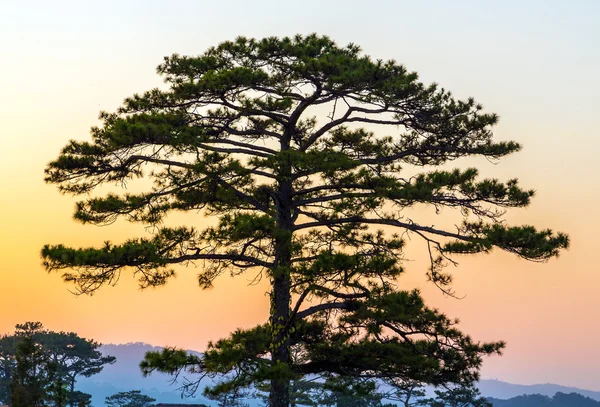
pixel 132 398
pixel 32 374
pixel 43 364
pixel 309 156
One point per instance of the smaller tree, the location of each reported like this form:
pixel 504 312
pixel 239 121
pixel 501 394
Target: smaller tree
pixel 349 392
pixel 57 392
pixel 49 359
pixel 8 347
pixel 74 356
pixel 231 399
pixel 458 396
pixel 31 374
pixel 409 393
pixel 303 393
pixel 80 399
pixel 132 398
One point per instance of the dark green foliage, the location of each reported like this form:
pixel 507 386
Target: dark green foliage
pixel 232 398
pixel 31 375
pixel 57 392
pixel 317 203
pixel 132 398
pixel 74 357
pixel 79 399
pixel 302 393
pixel 8 349
pixel 346 392
pixel 458 396
pixel 337 391
pixel 407 393
pixel 59 358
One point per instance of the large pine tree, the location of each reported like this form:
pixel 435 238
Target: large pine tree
pixel 310 156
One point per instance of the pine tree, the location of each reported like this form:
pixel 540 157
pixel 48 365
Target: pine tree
pixel 74 357
pixel 407 393
pixel 132 398
pixel 57 393
pixel 309 156
pixel 458 396
pixel 61 357
pixel 32 374
pixel 8 348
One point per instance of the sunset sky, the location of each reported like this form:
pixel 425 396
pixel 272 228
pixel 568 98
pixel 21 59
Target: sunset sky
pixel 535 63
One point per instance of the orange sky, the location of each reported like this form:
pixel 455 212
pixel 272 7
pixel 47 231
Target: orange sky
pixel 536 66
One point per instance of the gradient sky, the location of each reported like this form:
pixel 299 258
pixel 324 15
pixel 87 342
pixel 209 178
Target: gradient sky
pixel 535 63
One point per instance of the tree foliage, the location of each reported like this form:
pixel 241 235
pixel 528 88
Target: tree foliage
pixel 79 399
pixel 409 393
pixel 49 360
pixel 32 371
pixel 458 396
pixel 74 357
pixel 132 398
pixel 310 157
pixel 8 349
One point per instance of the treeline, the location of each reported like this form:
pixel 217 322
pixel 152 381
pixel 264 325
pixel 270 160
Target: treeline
pixel 538 400
pixel 39 367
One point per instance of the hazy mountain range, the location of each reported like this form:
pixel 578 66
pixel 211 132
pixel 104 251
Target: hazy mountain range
pixel 125 375
pixel 537 400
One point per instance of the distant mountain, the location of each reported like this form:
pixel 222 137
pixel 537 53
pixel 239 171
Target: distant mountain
pixel 538 400
pixel 503 390
pixel 125 375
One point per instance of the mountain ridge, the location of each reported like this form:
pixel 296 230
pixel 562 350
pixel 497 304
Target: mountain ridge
pixel 505 390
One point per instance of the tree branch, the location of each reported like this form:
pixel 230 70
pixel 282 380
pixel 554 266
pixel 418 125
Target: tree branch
pixel 389 222
pixel 322 307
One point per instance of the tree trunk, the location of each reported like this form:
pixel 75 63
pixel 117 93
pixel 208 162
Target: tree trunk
pixel 281 295
pixel 280 384
pixel 71 391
